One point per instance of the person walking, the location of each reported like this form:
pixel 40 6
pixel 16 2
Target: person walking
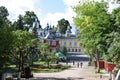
pixel 78 64
pixel 81 64
pixel 73 62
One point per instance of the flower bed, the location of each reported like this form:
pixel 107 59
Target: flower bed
pixel 52 68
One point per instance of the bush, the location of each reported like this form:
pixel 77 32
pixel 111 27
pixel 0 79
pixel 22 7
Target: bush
pixel 65 67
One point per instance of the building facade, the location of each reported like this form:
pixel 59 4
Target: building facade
pixel 55 39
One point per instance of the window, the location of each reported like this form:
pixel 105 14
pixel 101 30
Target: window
pixel 53 43
pixel 75 50
pixel 72 50
pixel 70 43
pixel 64 43
pixel 41 34
pixel 75 44
pixel 79 50
pixel 68 50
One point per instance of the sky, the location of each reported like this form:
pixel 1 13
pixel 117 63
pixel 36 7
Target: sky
pixel 48 11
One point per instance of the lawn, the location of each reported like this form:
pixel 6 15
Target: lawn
pixel 42 67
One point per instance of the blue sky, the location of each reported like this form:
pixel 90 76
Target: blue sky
pixel 52 6
pixel 48 11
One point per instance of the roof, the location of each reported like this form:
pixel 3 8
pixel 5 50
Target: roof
pixel 60 55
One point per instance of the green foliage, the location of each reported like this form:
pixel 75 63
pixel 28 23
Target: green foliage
pixel 6 37
pixel 114 49
pixel 3 12
pixel 92 20
pixel 54 29
pixel 62 25
pixel 64 50
pixel 113 40
pixel 19 23
pixel 22 40
pixel 65 67
pixel 3 16
pixel 6 40
pixel 99 30
pixel 29 18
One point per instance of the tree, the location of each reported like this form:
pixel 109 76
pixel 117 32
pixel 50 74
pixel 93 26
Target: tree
pixel 62 25
pixel 22 40
pixel 93 21
pixel 44 49
pixel 45 53
pixel 114 48
pixel 3 12
pixel 6 40
pixel 64 50
pixel 20 24
pixel 29 19
pixel 113 40
pixel 6 37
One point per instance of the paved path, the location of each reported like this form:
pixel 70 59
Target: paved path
pixel 74 73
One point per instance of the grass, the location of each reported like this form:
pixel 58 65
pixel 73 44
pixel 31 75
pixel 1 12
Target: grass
pixel 41 67
pixel 39 62
pixel 38 67
pixel 10 68
pixel 43 70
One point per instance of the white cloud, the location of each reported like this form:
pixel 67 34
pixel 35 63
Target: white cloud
pixel 16 7
pixel 70 2
pixel 52 18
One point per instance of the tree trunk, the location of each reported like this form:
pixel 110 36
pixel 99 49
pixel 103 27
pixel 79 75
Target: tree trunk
pixel 97 60
pixel 48 64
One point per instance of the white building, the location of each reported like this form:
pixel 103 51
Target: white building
pixel 68 40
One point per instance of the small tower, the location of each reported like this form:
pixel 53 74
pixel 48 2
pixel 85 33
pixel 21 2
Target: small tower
pixel 36 23
pixel 68 32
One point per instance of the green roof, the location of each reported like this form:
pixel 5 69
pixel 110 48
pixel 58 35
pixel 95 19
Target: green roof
pixel 60 55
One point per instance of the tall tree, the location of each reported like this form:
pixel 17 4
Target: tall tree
pixel 22 40
pixel 29 19
pixel 3 16
pixel 64 50
pixel 62 25
pixel 93 21
pixel 6 37
pixel 114 38
pixel 3 12
pixel 20 25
